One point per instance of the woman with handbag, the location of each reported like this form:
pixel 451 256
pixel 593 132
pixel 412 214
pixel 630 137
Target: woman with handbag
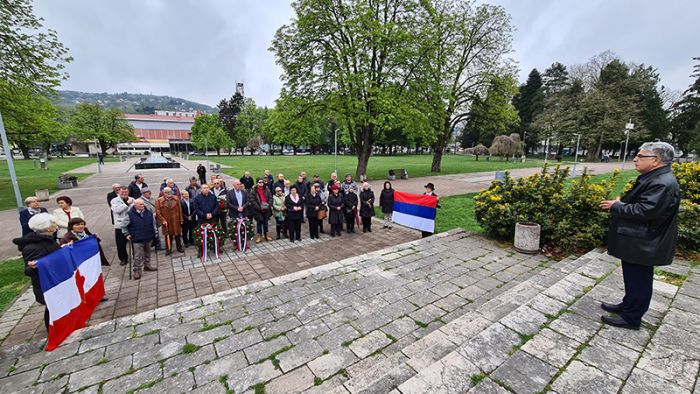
pixel 313 208
pixel 261 200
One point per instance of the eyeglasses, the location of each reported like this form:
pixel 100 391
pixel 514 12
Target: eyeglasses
pixel 643 156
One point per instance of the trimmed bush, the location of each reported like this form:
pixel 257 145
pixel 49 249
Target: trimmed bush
pixel 688 175
pixel 569 217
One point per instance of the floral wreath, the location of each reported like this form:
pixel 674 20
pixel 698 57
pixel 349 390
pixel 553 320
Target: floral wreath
pixel 248 233
pixel 214 240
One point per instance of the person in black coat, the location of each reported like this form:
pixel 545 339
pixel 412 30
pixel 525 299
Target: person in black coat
pixel 366 207
pixel 206 206
pixel 335 210
pixel 429 191
pixel 313 204
pixel 237 209
pixel 38 243
pixel 295 206
pixel 261 206
pixel 350 203
pixel 32 208
pixel 136 185
pixel 643 231
pixel 247 180
pixel 189 218
pixel 386 202
pixel 202 172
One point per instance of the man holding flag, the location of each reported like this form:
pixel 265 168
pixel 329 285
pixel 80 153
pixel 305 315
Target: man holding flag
pixel 417 211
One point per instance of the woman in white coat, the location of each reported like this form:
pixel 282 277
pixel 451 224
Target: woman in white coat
pixel 64 213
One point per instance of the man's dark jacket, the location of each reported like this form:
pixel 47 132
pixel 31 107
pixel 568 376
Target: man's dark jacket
pixel 204 205
pixel 644 226
pixel 141 226
pixel 24 216
pixel 34 246
pixel 134 190
pixel 232 202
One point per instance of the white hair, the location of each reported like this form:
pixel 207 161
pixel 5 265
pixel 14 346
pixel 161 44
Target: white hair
pixel 366 184
pixel 167 190
pixel 663 150
pixel 41 222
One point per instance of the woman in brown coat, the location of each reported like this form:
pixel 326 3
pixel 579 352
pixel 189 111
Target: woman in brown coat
pixel 169 215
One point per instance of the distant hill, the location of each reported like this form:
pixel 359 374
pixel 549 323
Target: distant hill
pixel 132 102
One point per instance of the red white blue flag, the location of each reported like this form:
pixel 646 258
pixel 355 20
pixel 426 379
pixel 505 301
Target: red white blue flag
pixel 71 280
pixel 415 210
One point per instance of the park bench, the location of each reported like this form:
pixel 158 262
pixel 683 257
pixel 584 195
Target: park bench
pixel 215 168
pixel 400 172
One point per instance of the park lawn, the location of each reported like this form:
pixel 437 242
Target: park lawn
pixel 12 281
pixel 458 211
pixel 416 165
pixel 30 179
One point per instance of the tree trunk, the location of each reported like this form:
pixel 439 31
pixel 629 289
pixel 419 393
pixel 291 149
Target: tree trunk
pixel 363 156
pixel 218 151
pixel 437 160
pixel 25 151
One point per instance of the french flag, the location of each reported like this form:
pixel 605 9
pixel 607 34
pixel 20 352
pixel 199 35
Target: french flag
pixel 71 280
pixel 415 210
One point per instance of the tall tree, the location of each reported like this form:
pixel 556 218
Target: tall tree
pixel 108 127
pixel 555 79
pixel 687 115
pixel 207 133
pixel 465 47
pixel 492 116
pixel 228 114
pixel 250 124
pixel 30 56
pixel 294 122
pixel 350 57
pixel 529 102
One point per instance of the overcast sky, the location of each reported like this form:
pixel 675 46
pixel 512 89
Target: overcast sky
pixel 197 50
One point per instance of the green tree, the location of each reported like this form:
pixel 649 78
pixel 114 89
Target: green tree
pixel 250 125
pixel 207 133
pixel 30 56
pixel 529 102
pixel 30 118
pixel 494 115
pixel 108 127
pixel 351 59
pixel 463 47
pixel 294 122
pixel 555 79
pixel 687 115
pixel 228 114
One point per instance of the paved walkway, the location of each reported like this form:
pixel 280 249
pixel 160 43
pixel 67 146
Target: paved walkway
pixel 182 276
pixel 452 313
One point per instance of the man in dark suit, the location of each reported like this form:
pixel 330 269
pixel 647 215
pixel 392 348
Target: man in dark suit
pixel 32 208
pixel 111 196
pixel 237 200
pixel 206 206
pixel 643 231
pixel 136 185
pixel 188 218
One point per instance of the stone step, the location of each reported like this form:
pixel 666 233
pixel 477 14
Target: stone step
pixel 537 348
pixel 423 353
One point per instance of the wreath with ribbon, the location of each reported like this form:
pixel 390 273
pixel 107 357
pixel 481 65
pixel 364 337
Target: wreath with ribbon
pixel 223 205
pixel 209 237
pixel 241 231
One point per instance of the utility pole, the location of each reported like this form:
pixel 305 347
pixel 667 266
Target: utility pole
pixel 336 149
pixel 628 127
pixel 578 140
pixel 11 165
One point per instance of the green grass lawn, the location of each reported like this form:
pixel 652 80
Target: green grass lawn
pixel 416 165
pixel 458 211
pixel 12 281
pixel 30 178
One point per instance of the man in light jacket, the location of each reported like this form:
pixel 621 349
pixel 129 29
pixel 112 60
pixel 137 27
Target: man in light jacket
pixel 120 207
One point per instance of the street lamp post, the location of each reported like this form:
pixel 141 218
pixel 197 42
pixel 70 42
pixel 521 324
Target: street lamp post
pixel 206 148
pixel 628 127
pixel 578 140
pixel 546 150
pixel 97 154
pixel 335 132
pixel 10 165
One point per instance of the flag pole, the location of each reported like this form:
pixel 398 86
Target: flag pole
pixel 11 165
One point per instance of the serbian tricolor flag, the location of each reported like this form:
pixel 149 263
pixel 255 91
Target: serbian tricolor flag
pixel 415 211
pixel 71 280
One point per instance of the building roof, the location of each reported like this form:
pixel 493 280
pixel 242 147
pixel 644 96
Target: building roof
pixel 144 134
pixel 161 118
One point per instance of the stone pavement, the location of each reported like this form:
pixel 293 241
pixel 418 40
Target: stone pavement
pixel 181 277
pixel 449 313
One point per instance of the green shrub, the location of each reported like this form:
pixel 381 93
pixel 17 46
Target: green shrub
pixel 688 175
pixel 569 217
pixel 689 226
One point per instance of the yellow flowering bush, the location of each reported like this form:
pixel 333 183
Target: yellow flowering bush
pixel 688 175
pixel 569 217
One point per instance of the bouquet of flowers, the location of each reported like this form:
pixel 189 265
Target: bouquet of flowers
pixel 223 205
pixel 241 231
pixel 208 237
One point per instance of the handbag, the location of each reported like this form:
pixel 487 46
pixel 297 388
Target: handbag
pixel 322 213
pixel 264 206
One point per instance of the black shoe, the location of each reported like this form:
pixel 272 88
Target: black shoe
pixel 612 308
pixel 122 263
pixel 617 321
pixel 369 229
pixel 167 252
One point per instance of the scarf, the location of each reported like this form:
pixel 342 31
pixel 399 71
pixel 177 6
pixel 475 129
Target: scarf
pixel 261 193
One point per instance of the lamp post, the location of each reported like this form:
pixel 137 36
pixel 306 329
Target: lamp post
pixel 628 127
pixel 546 150
pixel 10 165
pixel 206 148
pixel 97 149
pixel 335 133
pixel 578 140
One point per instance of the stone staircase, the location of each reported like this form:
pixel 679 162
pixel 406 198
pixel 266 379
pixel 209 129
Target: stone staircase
pixel 451 313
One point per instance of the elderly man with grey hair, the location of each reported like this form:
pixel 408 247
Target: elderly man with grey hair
pixel 643 231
